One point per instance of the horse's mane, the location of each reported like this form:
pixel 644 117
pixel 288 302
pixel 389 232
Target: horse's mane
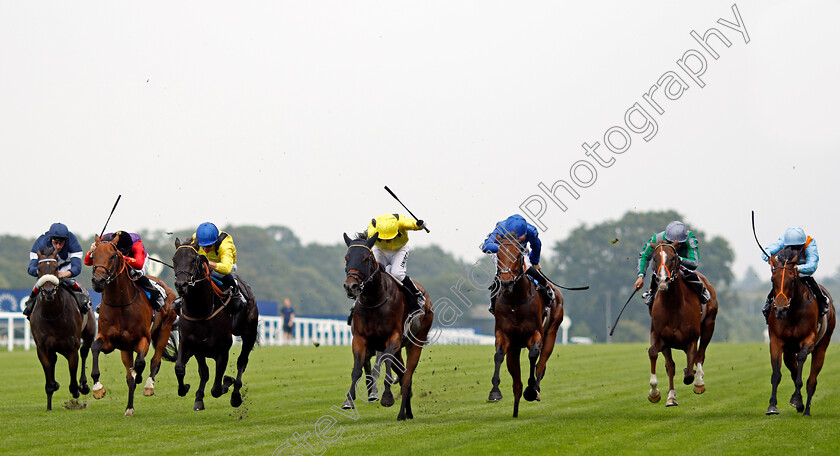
pixel 361 236
pixel 789 253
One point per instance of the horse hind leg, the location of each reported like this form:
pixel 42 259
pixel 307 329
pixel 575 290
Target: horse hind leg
pixel 73 366
pixel 412 355
pixel 98 388
pixel 248 341
pixel 83 383
pixel 127 359
pixel 203 376
pixel 221 364
pixel 789 359
pixel 817 361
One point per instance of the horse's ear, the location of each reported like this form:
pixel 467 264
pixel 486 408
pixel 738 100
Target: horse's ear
pixel 373 240
pixel 498 237
pixel 347 239
pixel 96 239
pixel 177 242
pixel 522 238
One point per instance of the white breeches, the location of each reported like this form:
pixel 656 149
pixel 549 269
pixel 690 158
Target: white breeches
pixel 392 260
pixel 527 254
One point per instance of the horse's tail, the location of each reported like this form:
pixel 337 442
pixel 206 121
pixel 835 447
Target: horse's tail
pixel 170 352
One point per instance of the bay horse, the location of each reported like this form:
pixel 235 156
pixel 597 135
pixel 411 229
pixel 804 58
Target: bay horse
pixel 796 330
pixel 380 322
pixel 206 328
pixel 125 321
pixel 58 327
pixel 521 322
pixel 677 321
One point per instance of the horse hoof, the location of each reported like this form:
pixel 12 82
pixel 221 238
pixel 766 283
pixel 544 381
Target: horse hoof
pixel 400 417
pixel 656 398
pixel 183 390
pixel 495 396
pixel 236 400
pixel 671 403
pixel 98 391
pixel 149 388
pixel 699 389
pixel 688 380
pixel 348 405
pixel 530 394
pixel 84 389
pixel 772 410
pixel 199 406
pixel 799 408
pixel 387 400
pixel 129 412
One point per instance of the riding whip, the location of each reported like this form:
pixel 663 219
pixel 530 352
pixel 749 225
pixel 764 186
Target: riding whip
pixel 566 288
pixel 161 262
pixel 622 311
pixel 109 215
pixel 755 235
pixel 403 205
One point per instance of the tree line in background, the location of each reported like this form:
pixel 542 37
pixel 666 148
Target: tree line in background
pixel 603 256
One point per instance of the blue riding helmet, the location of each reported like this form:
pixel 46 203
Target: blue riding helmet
pixel 58 230
pixel 676 232
pixel 795 236
pixel 207 234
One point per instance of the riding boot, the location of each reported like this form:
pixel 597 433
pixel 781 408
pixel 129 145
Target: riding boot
pixel 542 284
pixel 821 298
pixel 156 298
pixel 650 294
pixel 696 285
pixel 176 305
pixel 30 303
pixel 494 291
pixel 766 309
pixel 81 295
pixel 419 299
pixel 237 300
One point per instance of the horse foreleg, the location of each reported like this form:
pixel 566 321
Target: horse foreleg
pixel 98 388
pixel 501 349
pixel 48 363
pixel 183 357
pixel 412 356
pixel 359 352
pixel 128 361
pixel 203 376
pixel 653 352
pixel 801 357
pixel 388 355
pixel 371 376
pixel 513 368
pixel 73 366
pixel 142 348
pixel 776 376
pixel 83 354
pixel 671 369
pixel 248 341
pixel 532 391
pixel 221 364
pixel 789 358
pixel 690 357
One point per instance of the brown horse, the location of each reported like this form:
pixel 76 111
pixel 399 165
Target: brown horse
pixel 125 321
pixel 796 329
pixel 206 328
pixel 677 320
pixel 58 327
pixel 381 323
pixel 521 322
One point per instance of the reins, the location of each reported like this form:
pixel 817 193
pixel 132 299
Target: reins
pixel 192 283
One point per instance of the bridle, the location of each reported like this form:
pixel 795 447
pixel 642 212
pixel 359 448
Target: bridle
pixel 520 263
pixel 663 265
pixel 359 278
pixel 192 273
pixel 781 292
pixel 112 275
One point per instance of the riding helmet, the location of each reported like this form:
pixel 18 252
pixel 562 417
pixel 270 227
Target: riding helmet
pixel 386 225
pixel 676 232
pixel 794 236
pixel 58 230
pixel 207 234
pixel 123 242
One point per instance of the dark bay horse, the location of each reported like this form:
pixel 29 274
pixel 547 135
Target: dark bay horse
pixel 796 329
pixel 521 322
pixel 58 327
pixel 677 321
pixel 125 321
pixel 379 323
pixel 206 328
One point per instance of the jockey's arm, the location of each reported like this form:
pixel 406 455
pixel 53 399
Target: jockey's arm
pixel 812 257
pixel 692 258
pixel 535 243
pixel 644 256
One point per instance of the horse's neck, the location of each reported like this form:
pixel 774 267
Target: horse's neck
pixel 521 289
pixel 119 287
pixel 51 308
pixel 200 296
pixel 676 291
pixel 376 289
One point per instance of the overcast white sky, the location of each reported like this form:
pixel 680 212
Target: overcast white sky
pixel 298 113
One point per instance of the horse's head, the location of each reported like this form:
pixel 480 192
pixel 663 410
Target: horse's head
pixel 666 264
pixel 511 260
pixel 189 265
pixel 107 263
pixel 359 263
pixel 784 275
pixel 48 273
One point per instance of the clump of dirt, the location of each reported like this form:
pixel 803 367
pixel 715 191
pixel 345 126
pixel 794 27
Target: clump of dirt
pixel 74 404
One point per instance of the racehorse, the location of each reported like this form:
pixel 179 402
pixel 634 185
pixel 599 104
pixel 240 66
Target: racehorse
pixel 521 322
pixel 677 320
pixel 58 327
pixel 796 329
pixel 206 328
pixel 381 322
pixel 125 321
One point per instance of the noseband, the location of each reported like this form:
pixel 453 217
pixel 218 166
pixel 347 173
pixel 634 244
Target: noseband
pixel 671 276
pixel 782 286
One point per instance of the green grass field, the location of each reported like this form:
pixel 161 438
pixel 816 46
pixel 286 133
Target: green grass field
pixel 593 402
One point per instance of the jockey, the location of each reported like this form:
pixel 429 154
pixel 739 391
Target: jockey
pixel 69 264
pixel 131 247
pixel 689 253
pixel 516 225
pixel 220 251
pixel 795 238
pixel 391 251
